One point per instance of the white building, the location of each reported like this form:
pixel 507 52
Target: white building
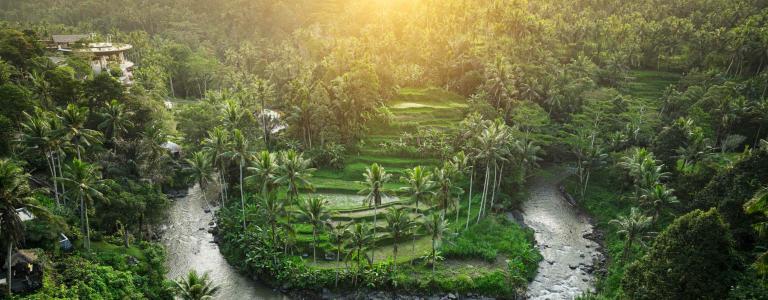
pixel 104 55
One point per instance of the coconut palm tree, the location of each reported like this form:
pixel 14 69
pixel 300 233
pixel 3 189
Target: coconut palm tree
pixel 73 119
pixel 36 136
pixel 264 169
pixel 461 163
pixel 233 115
pixel 435 225
pixel 15 193
pixel 217 144
pixel 420 187
pixel 338 233
pixel 359 239
pixel 375 178
pixel 196 287
pixel 116 120
pixel 651 174
pixel 239 151
pixel 399 223
pixel 633 227
pixel 491 148
pixel 294 171
pixel 83 181
pixel 42 89
pixel 313 211
pixel 201 171
pixel 445 190
pixel 657 198
pixel 273 209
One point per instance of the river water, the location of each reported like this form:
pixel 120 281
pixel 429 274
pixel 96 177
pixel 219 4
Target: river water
pixel 189 247
pixel 559 229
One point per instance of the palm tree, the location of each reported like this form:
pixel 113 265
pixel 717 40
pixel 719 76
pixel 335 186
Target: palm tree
pixel 274 210
pixel 264 169
pixel 313 210
pixel 217 145
pixel 233 114
pixel 360 237
pixel 399 223
pixel 116 120
pixel 435 225
pixel 491 148
pixel 445 189
pixel 15 192
pixel 239 151
pixel 657 198
pixel 196 287
pixel 633 227
pixel 83 180
pixel 338 233
pixel 420 187
pixel 73 118
pixel 42 89
pixel 375 178
pixel 36 135
pixel 294 172
pixel 461 164
pixel 201 167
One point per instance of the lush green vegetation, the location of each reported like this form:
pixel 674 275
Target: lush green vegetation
pixel 379 143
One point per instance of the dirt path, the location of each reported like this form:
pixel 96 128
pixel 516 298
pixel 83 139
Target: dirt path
pixel 559 228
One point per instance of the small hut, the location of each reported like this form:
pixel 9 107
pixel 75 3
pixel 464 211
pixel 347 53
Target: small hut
pixel 26 272
pixel 173 148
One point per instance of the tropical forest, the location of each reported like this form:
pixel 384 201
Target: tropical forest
pixel 383 149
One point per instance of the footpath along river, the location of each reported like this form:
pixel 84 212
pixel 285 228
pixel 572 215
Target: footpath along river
pixel 560 229
pixel 189 247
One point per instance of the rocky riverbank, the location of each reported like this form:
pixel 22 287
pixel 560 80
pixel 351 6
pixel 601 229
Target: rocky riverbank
pixel 566 238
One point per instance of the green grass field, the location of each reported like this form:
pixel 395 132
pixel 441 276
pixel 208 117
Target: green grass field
pixel 412 109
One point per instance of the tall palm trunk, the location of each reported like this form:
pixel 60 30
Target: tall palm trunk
pixel 87 227
pixel 8 270
pixel 485 192
pixel 52 167
pixel 63 187
pixel 338 261
pixel 394 256
pixel 497 185
pixel 373 241
pixel 469 199
pixel 434 259
pixel 493 188
pixel 627 246
pixel 314 244
pixel 242 197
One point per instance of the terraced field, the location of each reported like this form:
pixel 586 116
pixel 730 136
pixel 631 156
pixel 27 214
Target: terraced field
pixel 412 109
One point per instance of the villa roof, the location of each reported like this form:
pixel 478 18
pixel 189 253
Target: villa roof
pixel 68 38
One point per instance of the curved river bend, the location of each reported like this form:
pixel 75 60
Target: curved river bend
pixel 190 246
pixel 559 229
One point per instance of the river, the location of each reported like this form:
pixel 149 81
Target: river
pixel 559 229
pixel 189 247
